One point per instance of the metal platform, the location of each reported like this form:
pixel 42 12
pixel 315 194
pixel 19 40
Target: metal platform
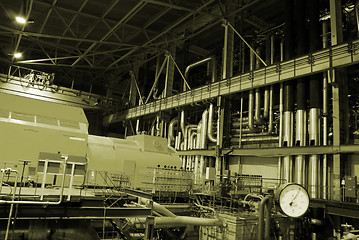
pixel 320 61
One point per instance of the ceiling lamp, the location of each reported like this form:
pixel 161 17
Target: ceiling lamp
pixel 20 20
pixel 17 55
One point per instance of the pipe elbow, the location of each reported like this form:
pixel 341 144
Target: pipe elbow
pixel 210 125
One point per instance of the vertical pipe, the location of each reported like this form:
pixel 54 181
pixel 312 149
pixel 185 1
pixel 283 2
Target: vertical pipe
pixel 257 108
pixel 288 89
pixel 280 142
pixel 314 102
pixel 325 110
pixel 138 126
pixel 210 124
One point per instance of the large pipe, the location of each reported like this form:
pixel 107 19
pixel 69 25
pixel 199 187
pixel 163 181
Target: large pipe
pixel 182 122
pixel 187 134
pixel 156 207
pixel 206 60
pixel 257 108
pixel 314 101
pixel 301 113
pixel 181 221
pixel 265 202
pixel 325 105
pixel 171 137
pixel 138 126
pixel 203 144
pixel 210 124
pixel 357 15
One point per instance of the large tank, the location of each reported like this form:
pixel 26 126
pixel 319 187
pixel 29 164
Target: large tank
pixel 134 157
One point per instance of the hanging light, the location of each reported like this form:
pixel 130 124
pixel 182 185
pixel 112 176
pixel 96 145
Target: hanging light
pixel 17 55
pixel 20 20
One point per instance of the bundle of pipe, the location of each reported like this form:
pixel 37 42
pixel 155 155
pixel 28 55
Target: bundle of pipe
pixel 301 113
pixel 314 101
pixel 288 104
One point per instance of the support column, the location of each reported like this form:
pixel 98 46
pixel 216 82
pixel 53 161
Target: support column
pixel 336 80
pixel 170 71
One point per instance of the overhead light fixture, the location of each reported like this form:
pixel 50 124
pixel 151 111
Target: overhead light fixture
pixel 20 20
pixel 17 55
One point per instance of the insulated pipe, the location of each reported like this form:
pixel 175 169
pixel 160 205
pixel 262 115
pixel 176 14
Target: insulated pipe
pixel 209 59
pixel 250 111
pixel 138 126
pixel 192 139
pixel 357 15
pixel 288 129
pixel 173 123
pixel 325 104
pixel 266 103
pixel 204 129
pixel 182 122
pixel 265 202
pixel 314 102
pixel 157 207
pixel 257 109
pixel 187 135
pixel 210 125
pixel 180 221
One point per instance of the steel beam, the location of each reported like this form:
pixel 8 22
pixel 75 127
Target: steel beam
pixel 62 95
pixel 277 151
pixel 333 57
pixel 63 212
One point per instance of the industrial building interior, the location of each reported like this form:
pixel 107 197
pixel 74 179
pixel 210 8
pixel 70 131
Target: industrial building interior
pixel 178 119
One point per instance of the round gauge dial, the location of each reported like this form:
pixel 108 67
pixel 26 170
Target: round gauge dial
pixel 293 199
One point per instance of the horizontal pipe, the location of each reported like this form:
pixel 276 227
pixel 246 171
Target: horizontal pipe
pixel 168 222
pixel 157 207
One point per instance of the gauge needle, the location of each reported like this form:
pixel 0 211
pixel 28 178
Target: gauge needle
pixel 291 203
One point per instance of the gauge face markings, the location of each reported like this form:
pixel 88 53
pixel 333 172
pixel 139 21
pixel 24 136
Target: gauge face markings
pixel 293 200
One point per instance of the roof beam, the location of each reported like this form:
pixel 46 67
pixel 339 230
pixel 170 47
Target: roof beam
pixel 173 6
pixel 162 33
pixel 128 16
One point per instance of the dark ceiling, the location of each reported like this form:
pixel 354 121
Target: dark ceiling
pixel 93 42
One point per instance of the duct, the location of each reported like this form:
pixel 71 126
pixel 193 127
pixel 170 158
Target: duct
pixel 210 124
pixel 264 230
pixel 356 14
pixel 178 221
pixel 209 59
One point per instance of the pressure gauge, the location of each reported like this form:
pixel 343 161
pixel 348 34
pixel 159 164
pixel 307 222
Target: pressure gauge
pixel 293 199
